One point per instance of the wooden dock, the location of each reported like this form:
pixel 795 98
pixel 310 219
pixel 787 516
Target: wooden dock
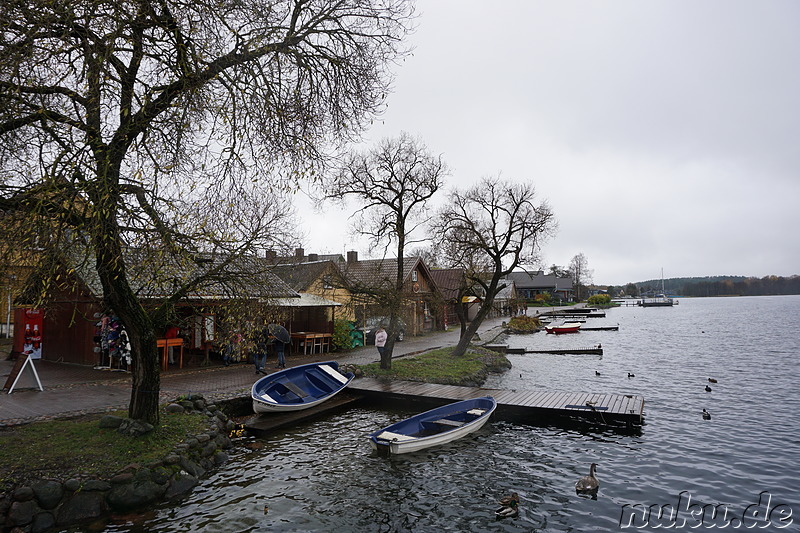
pixel 575 351
pixel 262 424
pixel 517 405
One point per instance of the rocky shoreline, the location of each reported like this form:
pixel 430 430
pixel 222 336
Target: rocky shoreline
pixel 42 505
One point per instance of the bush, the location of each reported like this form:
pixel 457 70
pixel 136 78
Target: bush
pixel 600 299
pixel 524 324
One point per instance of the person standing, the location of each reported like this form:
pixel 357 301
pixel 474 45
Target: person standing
pixel 380 340
pixel 261 345
pixel 279 349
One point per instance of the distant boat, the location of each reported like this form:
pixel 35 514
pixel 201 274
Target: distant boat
pixel 432 428
pixel 566 327
pixel 660 300
pixel 299 387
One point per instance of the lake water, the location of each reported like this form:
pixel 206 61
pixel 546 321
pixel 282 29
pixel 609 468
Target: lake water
pixel 742 462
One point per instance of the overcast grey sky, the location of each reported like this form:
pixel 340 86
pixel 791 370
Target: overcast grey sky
pixel 663 134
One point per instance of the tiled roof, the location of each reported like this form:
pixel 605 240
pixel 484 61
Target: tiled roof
pixel 154 276
pixel 376 274
pixel 539 280
pixel 449 281
pixel 301 276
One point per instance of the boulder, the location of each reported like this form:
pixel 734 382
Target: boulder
pixel 48 493
pixel 81 507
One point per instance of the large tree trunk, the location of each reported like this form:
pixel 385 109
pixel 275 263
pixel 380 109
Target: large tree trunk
pixel 121 300
pixel 472 329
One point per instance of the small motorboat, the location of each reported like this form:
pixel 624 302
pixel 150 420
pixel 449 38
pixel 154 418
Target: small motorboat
pixel 299 387
pixel 565 327
pixel 432 428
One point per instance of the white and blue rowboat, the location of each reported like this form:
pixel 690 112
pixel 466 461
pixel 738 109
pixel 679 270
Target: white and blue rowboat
pixel 299 387
pixel 432 428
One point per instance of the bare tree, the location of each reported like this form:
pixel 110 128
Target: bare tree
pixel 495 224
pixel 581 274
pixel 163 123
pixel 395 180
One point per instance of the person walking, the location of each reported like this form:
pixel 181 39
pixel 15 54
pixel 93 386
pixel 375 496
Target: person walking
pixel 380 340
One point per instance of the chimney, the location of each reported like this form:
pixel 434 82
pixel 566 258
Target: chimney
pixel 271 255
pixel 299 253
pixel 352 257
pixel 313 257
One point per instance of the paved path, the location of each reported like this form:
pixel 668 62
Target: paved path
pixel 71 390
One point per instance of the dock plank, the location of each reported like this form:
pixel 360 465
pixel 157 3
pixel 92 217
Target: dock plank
pixel 618 407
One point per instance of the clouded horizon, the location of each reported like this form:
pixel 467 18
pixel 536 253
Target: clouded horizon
pixel 663 134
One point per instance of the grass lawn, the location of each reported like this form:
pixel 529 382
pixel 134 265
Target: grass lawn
pixel 56 449
pixel 439 366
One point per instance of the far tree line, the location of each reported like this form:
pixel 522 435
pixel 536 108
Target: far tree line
pixel 713 286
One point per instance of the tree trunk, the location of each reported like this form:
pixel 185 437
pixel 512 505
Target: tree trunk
pixel 121 300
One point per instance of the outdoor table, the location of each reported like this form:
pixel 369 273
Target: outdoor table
pixel 164 345
pixel 311 342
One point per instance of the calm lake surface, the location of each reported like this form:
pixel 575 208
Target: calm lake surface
pixel 323 476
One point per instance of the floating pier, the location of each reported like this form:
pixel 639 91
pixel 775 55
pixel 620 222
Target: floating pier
pixel 596 350
pixel 519 405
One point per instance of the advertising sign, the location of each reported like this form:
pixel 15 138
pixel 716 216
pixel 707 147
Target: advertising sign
pixel 33 333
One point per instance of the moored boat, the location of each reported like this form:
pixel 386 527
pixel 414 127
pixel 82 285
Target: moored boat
pixel 566 327
pixel 435 427
pixel 299 387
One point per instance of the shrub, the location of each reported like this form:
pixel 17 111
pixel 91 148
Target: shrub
pixel 600 299
pixel 524 324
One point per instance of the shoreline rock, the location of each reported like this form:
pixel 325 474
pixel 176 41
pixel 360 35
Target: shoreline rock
pixel 45 504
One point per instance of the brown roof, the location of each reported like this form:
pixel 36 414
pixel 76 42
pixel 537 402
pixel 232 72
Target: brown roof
pixel 301 276
pixel 378 274
pixel 449 281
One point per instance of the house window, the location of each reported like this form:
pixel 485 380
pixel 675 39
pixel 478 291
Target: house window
pixel 414 275
pixel 327 283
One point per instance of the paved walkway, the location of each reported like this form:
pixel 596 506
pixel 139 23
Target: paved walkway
pixel 71 390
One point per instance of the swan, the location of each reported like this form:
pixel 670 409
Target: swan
pixel 588 484
pixel 509 506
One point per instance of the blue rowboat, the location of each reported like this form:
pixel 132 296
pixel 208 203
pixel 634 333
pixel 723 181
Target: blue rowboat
pixel 299 387
pixel 434 427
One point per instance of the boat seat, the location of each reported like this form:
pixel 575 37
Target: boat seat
pixel 333 373
pixel 446 422
pixel 267 398
pixel 476 412
pixel 397 437
pixel 295 389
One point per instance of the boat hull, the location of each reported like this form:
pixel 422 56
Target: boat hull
pixel 435 427
pixel 298 388
pixel 569 327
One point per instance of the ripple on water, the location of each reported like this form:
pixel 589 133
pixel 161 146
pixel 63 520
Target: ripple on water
pixel 323 476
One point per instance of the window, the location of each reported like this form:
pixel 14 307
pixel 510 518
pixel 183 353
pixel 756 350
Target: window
pixel 414 275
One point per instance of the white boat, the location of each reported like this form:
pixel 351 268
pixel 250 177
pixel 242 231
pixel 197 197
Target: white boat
pixel 432 428
pixel 299 387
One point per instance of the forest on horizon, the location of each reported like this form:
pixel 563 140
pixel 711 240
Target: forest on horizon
pixel 721 286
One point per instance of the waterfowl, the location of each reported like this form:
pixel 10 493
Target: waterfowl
pixel 509 506
pixel 588 484
pixel 712 380
pixel 708 389
pixel 631 375
pixel 596 373
pixel 706 415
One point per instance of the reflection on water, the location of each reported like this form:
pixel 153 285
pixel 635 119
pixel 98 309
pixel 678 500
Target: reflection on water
pixel 324 476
